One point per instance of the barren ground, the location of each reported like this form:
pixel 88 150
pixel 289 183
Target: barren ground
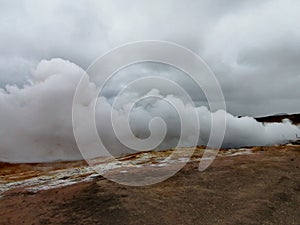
pixel 260 188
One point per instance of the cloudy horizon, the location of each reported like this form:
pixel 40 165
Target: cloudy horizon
pixel 253 48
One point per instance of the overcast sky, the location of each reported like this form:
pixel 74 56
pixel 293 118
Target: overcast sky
pixel 253 46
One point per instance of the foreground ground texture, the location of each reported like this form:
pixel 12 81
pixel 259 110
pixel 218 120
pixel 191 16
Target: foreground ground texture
pixel 258 188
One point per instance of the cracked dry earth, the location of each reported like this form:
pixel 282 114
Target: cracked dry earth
pixel 258 188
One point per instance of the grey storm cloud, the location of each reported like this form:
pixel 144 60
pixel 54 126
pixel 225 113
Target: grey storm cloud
pixel 252 46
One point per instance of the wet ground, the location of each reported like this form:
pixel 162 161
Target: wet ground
pixel 249 186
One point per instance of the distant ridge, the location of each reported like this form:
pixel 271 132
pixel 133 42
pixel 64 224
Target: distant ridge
pixel 295 118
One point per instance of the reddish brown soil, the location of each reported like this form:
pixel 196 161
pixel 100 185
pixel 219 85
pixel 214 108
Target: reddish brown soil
pixel 262 188
pixel 16 172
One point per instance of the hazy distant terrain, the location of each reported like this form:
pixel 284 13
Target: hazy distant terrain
pixel 295 118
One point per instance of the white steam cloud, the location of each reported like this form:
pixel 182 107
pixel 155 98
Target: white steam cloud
pixel 36 121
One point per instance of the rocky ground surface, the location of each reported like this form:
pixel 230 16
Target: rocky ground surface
pixel 258 185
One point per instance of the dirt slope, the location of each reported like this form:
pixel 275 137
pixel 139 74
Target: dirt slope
pixel 261 188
